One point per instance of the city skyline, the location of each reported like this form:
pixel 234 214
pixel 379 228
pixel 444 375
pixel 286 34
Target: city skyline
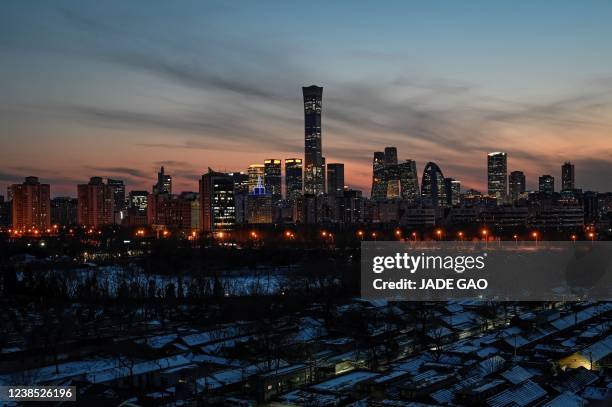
pixel 100 91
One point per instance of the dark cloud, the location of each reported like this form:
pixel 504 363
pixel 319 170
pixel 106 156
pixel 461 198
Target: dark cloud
pixel 121 171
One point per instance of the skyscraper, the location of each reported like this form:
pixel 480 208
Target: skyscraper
pixel 567 177
pixel 409 181
pixel 546 184
pixel 119 198
pixel 259 205
pixel 218 211
pixel 335 179
pixel 433 192
pixel 313 155
pixel 452 191
pixel 497 175
pixel 95 203
pixel 164 183
pixel 517 185
pixel 272 178
pixel 241 182
pixel 379 183
pixel 293 178
pixel 31 205
pixel 255 172
pixel 392 173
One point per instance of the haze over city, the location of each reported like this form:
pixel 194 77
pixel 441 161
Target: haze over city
pixel 118 89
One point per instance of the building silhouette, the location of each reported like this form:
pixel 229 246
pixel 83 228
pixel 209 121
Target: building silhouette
pixel 272 178
pixel 379 182
pixel 335 180
pixel 255 172
pixel 31 207
pixel 314 178
pixel 392 176
pixel 259 205
pixel 217 207
pixel 546 184
pixel 567 177
pixel 164 183
pixel 64 211
pixel 433 192
pixel 96 203
pixel 409 181
pixel 497 176
pixel 516 182
pixel 293 178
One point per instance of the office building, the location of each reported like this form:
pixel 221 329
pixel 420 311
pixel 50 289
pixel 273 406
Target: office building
pixel 433 192
pixel 255 172
pixel 293 178
pixel 546 184
pixel 567 177
pixel 272 178
pixel 259 205
pixel 392 173
pixel 497 176
pixel 517 185
pixel 335 180
pixel 379 182
pixel 314 178
pixel 164 183
pixel 217 207
pixel 409 181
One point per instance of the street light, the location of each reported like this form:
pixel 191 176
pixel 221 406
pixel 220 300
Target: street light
pixel 515 239
pixel 485 234
pixel 439 234
pixel 398 233
pixel 414 236
pixel 460 234
pixel 535 236
pixel 374 235
pixel 360 234
pixel 592 236
pixel 573 238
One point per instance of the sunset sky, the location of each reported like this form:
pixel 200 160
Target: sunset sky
pixel 118 88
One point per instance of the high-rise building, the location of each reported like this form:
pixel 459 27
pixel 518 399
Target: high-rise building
pixel 138 200
pixel 164 183
pixel 241 182
pixel 272 178
pixel 138 203
pixel 218 211
pixel 293 178
pixel 168 211
pixel 95 203
pixel 314 178
pixel 433 193
pixel 335 180
pixel 452 191
pixel 31 205
pixel 119 198
pixel 409 181
pixel 546 184
pixel 497 175
pixel 64 211
pixel 5 212
pixel 259 205
pixel 379 182
pixel 255 172
pixel 392 173
pixel 517 185
pixel 567 177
